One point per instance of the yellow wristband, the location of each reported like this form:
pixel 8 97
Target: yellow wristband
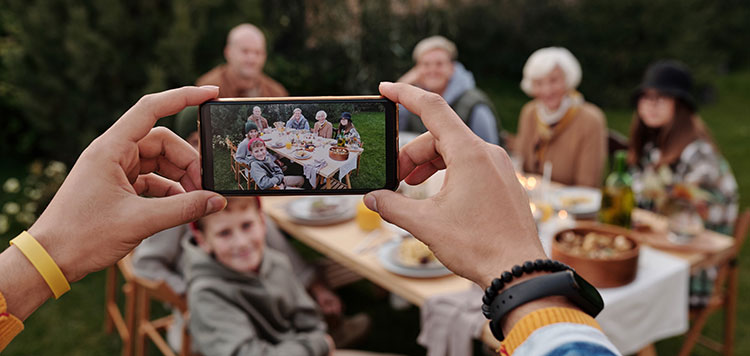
pixel 43 263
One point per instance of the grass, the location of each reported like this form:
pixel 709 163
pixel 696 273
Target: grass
pixel 74 325
pixel 371 128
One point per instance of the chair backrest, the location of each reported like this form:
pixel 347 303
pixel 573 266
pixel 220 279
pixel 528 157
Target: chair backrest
pixel 151 329
pixel 741 227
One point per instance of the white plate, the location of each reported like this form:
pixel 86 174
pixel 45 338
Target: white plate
pixel 277 145
pixel 301 154
pixel 301 210
pixel 590 200
pixel 388 257
pixel 265 138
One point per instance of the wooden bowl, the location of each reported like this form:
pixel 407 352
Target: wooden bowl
pixel 338 153
pixel 611 272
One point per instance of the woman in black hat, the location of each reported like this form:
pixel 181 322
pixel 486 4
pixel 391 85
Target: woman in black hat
pixel 347 131
pixel 670 144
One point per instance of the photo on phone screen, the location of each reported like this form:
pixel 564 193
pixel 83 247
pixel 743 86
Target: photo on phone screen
pixel 299 146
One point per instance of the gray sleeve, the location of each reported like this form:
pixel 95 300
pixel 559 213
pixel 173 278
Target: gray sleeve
pixel 259 176
pixel 483 124
pixel 158 258
pixel 403 118
pixel 241 155
pixel 219 327
pixel 305 272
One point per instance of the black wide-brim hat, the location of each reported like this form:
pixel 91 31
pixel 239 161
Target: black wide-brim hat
pixel 668 77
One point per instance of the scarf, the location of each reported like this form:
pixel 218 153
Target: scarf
pixel 550 124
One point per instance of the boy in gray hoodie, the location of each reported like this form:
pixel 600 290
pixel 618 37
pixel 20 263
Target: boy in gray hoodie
pixel 244 299
pixel 265 172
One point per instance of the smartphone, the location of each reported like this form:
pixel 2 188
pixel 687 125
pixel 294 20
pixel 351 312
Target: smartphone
pixel 299 145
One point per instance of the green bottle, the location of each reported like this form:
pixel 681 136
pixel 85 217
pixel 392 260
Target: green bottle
pixel 617 194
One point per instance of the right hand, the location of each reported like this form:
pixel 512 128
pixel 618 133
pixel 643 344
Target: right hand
pixel 479 224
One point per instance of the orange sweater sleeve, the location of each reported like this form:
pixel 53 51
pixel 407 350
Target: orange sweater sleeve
pixel 10 326
pixel 541 318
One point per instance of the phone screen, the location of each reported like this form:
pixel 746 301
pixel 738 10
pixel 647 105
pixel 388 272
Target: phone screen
pixel 299 146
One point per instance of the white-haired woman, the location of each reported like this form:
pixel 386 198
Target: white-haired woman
pixel 322 127
pixel 558 125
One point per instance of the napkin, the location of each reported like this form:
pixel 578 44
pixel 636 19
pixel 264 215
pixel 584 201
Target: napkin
pixel 450 323
pixel 348 166
pixel 311 170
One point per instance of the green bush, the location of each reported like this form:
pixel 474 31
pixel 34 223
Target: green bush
pixel 68 69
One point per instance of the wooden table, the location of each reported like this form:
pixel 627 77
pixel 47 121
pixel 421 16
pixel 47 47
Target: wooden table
pixel 320 153
pixel 338 242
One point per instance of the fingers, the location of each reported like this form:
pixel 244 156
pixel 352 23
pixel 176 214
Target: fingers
pixel 436 114
pixel 179 209
pixel 424 171
pixel 136 122
pixel 155 186
pixel 419 151
pixel 162 151
pixel 397 209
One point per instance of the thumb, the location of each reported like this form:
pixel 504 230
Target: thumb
pixel 396 208
pixel 182 208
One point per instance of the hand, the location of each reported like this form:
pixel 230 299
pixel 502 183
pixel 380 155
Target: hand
pixel 410 77
pixel 98 215
pixel 331 345
pixel 329 303
pixel 479 224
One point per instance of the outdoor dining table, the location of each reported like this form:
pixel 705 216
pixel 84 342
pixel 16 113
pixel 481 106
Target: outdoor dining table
pixel 274 137
pixel 652 307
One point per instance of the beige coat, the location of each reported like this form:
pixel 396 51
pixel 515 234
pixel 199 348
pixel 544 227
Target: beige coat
pixel 323 130
pixel 577 151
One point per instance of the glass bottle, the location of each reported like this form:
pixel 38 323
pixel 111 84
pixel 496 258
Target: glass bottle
pixel 617 194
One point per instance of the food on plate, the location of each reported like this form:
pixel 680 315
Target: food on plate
pixel 302 154
pixel 323 207
pixel 413 252
pixel 309 147
pixel 571 201
pixel 594 245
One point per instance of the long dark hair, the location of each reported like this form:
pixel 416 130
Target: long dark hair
pixel 671 139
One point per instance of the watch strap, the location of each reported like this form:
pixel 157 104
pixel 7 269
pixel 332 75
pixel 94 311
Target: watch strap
pixel 563 283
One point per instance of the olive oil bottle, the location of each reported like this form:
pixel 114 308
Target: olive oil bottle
pixel 617 194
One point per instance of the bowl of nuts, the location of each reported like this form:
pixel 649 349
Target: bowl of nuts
pixel 606 256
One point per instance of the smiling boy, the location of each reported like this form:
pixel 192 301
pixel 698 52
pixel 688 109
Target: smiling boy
pixel 244 299
pixel 265 172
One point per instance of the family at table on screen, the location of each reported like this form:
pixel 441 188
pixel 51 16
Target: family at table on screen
pixel 271 172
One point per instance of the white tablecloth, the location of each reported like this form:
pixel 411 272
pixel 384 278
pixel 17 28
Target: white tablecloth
pixel 651 308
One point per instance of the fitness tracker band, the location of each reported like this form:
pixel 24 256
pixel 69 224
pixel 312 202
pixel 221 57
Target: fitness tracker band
pixel 566 283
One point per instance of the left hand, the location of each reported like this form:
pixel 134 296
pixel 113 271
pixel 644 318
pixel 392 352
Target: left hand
pixel 99 215
pixel 330 304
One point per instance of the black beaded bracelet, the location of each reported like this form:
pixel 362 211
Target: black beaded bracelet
pixel 517 271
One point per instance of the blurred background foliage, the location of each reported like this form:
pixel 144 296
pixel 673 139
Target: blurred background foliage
pixel 68 69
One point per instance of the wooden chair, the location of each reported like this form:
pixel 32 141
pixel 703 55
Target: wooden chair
pixel 359 156
pixel 124 322
pixel 724 297
pixel 232 161
pixel 147 292
pixel 240 170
